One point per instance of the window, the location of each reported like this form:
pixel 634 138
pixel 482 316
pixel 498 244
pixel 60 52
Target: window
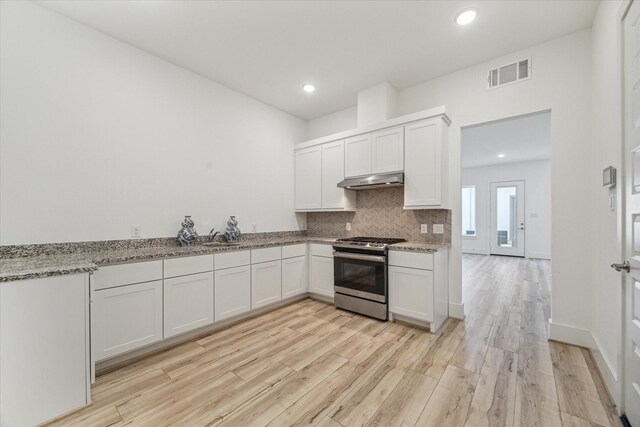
pixel 469 211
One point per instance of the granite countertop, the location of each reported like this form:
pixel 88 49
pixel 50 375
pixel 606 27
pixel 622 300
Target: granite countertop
pixel 419 247
pixel 30 267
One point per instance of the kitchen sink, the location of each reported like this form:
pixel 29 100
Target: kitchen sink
pixel 220 244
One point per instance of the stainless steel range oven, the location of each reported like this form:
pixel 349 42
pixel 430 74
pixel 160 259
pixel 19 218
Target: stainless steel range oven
pixel 360 275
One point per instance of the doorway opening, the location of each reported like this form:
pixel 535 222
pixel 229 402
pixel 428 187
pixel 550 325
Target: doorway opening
pixel 506 214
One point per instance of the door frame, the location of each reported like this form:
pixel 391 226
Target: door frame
pixel 492 226
pixel 624 289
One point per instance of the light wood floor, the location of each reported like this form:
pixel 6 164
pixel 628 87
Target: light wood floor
pixel 309 363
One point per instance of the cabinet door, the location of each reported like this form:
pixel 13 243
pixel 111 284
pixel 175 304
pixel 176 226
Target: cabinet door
pixel 188 303
pixel 387 148
pixel 308 178
pixel 321 276
pixel 266 283
pixel 127 317
pixel 423 165
pixel 232 292
pixel 332 174
pixel 357 155
pixel 294 276
pixel 411 293
pixel 43 348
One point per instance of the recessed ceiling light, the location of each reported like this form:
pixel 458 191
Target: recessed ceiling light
pixel 500 156
pixel 466 17
pixel 309 88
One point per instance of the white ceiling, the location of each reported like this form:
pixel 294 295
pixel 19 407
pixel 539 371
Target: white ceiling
pixel 520 139
pixel 268 49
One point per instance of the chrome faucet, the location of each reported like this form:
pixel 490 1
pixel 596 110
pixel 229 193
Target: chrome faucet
pixel 213 235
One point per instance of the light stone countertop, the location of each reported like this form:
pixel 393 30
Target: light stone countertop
pixel 30 267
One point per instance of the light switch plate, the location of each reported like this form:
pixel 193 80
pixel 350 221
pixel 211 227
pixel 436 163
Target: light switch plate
pixel 438 228
pixel 136 231
pixel 424 228
pixel 348 226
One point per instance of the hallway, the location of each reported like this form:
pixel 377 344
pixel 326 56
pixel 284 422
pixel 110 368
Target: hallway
pixel 507 303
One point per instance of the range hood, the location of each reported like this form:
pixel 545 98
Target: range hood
pixel 395 179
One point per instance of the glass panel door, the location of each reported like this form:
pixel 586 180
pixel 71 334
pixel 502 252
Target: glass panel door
pixel 507 218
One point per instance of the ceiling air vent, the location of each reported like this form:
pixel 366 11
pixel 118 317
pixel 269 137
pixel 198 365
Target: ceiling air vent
pixel 510 73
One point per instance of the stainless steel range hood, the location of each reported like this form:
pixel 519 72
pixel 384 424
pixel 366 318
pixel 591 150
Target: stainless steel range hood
pixel 395 179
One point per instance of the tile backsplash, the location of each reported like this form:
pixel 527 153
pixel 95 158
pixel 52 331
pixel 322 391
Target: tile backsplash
pixel 380 213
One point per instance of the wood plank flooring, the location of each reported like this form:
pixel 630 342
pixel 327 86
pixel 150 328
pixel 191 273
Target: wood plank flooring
pixel 310 364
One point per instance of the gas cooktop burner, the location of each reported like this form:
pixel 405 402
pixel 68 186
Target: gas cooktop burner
pixel 369 241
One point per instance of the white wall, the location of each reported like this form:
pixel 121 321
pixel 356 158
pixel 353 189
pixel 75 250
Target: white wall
pixel 97 135
pixel 332 123
pixel 607 229
pixel 537 202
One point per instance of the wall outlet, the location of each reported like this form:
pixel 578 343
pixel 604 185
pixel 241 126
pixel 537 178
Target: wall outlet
pixel 348 226
pixel 254 228
pixel 438 228
pixel 424 228
pixel 136 231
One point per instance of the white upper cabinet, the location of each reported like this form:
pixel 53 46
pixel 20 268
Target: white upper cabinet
pixel 387 148
pixel 332 173
pixel 425 166
pixel 319 169
pixel 415 144
pixel 308 179
pixel 357 157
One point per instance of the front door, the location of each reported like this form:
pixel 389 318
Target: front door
pixel 631 293
pixel 507 218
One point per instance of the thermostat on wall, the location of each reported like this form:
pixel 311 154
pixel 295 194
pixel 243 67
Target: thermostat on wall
pixel 609 177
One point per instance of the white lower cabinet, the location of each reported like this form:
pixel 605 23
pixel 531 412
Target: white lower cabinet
pixel 411 292
pixel 418 286
pixel 266 283
pixel 321 276
pixel 44 338
pixel 232 292
pixel 294 276
pixel 188 303
pixel 126 318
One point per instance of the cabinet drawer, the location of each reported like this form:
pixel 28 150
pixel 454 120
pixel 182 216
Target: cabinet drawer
pixel 231 259
pixel 321 250
pixel 411 259
pixel 188 265
pixel 293 251
pixel 265 255
pixel 126 274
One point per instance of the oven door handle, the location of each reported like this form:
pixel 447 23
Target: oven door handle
pixel 361 257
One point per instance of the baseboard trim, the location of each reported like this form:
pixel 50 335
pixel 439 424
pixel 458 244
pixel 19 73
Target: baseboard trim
pixel 538 255
pixel 570 335
pixel 608 374
pixel 475 251
pixel 584 338
pixel 456 310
